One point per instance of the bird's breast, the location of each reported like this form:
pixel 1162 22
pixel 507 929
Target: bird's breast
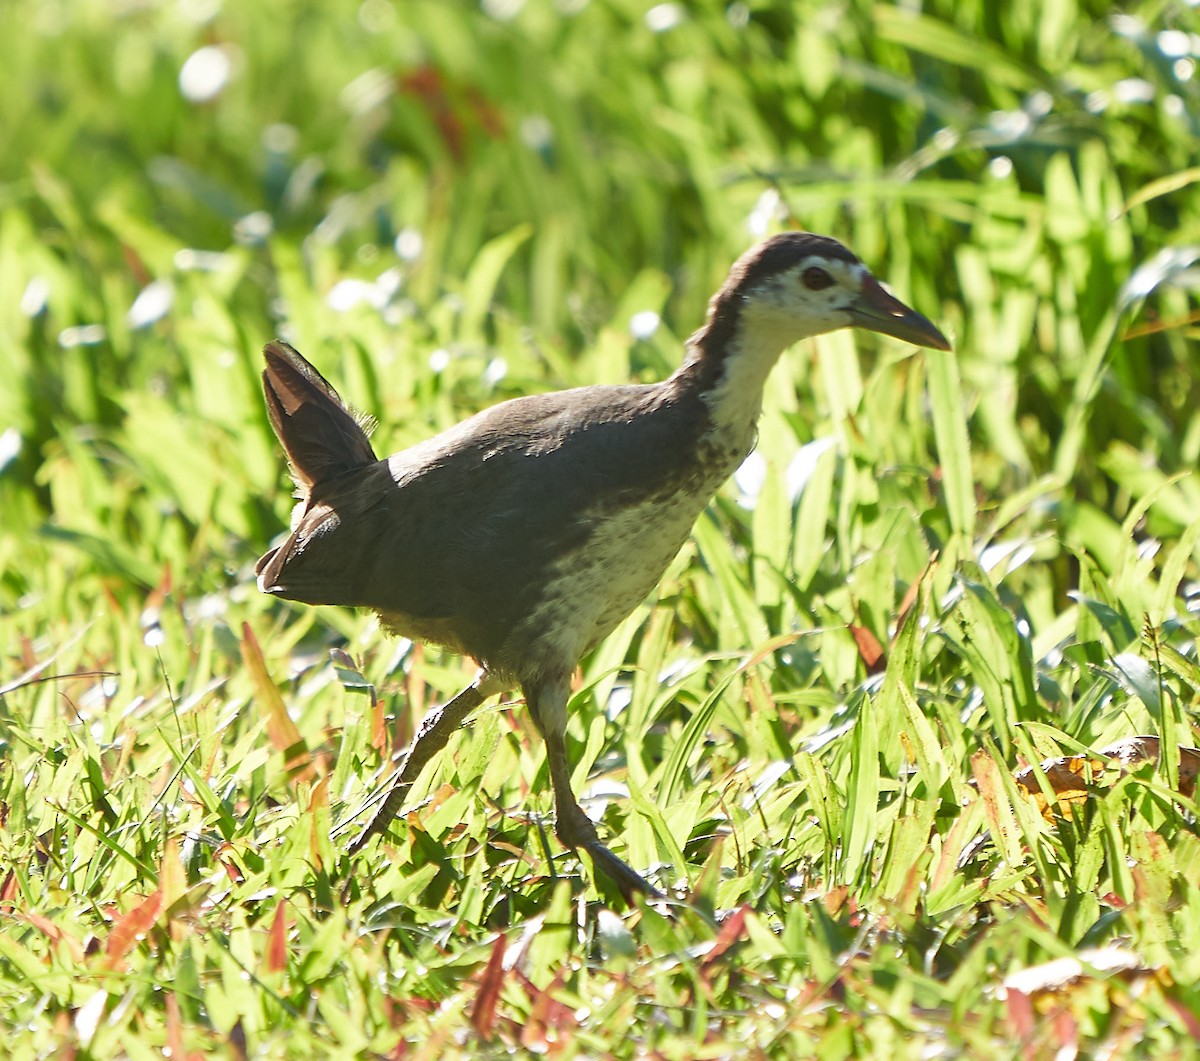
pixel 593 587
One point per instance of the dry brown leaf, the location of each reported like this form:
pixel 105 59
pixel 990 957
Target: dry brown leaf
pixel 870 651
pixel 732 929
pixel 483 1012
pixel 1069 778
pixel 132 927
pixel 996 807
pixel 276 957
pixel 55 934
pixel 379 730
pixel 551 1024
pixel 1074 778
pixel 834 899
pixel 172 881
pixel 281 729
pixel 224 857
pixel 318 835
pixel 914 590
pixel 1134 750
pixel 174 1026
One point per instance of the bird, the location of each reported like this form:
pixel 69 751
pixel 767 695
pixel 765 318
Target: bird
pixel 525 534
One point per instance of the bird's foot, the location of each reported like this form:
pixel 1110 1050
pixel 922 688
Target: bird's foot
pixel 628 880
pixel 577 831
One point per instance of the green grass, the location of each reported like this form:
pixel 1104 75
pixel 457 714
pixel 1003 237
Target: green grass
pixel 857 870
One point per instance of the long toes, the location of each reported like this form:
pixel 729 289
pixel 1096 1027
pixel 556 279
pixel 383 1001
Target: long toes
pixel 629 881
pixel 576 831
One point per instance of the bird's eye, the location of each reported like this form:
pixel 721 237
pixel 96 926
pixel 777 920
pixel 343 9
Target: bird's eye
pixel 816 278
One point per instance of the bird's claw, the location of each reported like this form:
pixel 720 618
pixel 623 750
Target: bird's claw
pixel 629 882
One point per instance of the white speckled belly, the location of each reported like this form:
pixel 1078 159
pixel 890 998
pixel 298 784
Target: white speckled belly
pixel 597 586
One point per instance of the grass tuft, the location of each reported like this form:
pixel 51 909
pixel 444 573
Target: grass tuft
pixel 908 727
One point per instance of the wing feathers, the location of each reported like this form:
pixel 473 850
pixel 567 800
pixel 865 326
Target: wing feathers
pixel 322 437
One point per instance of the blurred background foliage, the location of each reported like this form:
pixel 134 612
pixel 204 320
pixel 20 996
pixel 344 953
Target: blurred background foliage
pixel 339 168
pixel 447 203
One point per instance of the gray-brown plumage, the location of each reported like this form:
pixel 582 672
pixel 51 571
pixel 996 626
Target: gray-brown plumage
pixel 524 535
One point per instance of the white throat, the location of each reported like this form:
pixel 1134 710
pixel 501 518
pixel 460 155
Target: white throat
pixel 735 399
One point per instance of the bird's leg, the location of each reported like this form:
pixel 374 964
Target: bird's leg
pixel 548 705
pixel 434 731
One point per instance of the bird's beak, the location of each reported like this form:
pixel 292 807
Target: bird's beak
pixel 880 312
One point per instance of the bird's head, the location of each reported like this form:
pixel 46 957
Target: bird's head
pixel 797 284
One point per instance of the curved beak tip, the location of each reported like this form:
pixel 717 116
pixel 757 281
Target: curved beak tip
pixel 880 312
pixel 933 338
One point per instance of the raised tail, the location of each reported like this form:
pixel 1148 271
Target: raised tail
pixel 324 441
pixel 322 437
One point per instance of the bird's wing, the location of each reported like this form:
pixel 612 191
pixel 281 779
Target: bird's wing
pixel 468 524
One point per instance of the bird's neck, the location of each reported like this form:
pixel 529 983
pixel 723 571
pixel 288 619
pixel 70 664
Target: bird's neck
pixel 727 366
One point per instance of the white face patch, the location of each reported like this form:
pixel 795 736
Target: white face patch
pixel 778 311
pixel 786 306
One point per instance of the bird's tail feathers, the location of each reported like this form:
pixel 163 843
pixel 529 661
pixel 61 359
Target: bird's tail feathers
pixel 323 438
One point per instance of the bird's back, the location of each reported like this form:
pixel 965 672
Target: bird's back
pixel 521 536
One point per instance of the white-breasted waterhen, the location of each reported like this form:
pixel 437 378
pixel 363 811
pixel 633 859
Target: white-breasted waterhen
pixel 524 535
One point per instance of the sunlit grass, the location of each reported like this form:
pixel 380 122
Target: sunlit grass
pixel 935 571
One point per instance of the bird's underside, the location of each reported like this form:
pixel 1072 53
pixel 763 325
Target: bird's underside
pixel 524 535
